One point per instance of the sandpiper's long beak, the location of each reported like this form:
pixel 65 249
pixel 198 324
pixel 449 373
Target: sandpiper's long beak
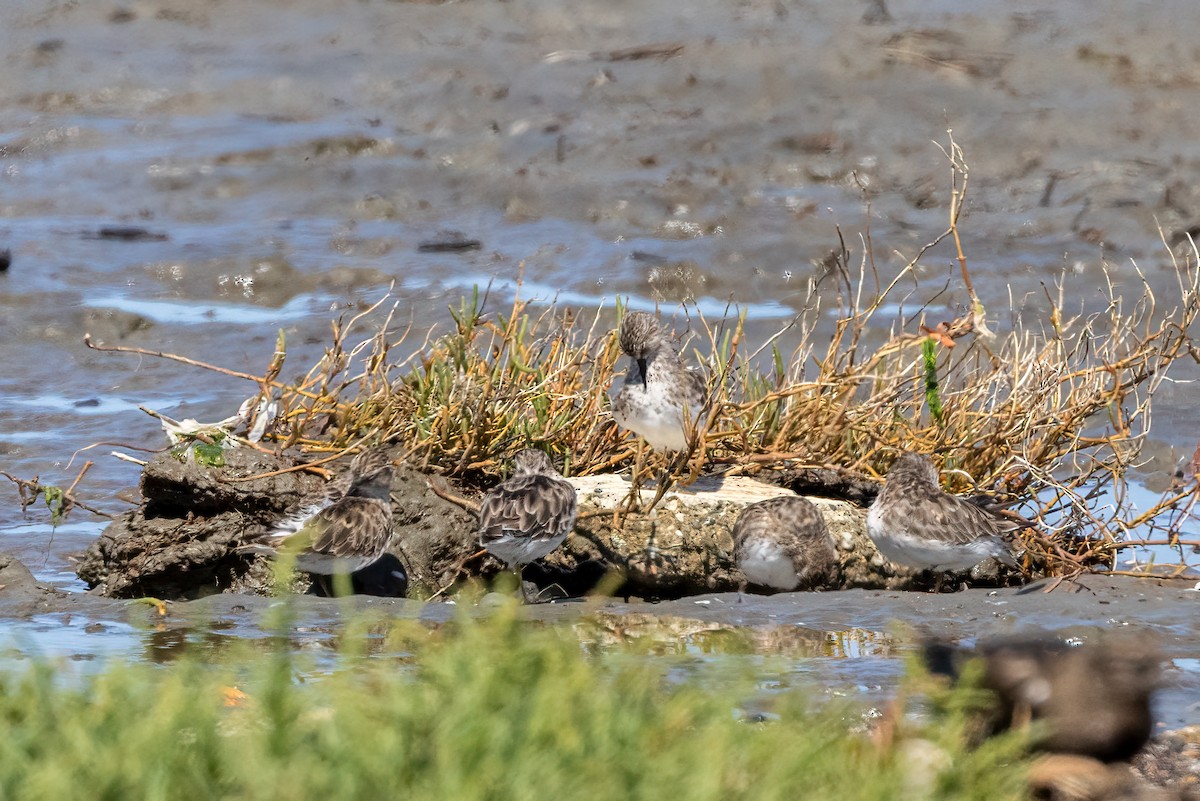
pixel 641 363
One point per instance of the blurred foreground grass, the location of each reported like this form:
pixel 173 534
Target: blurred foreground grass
pixel 490 709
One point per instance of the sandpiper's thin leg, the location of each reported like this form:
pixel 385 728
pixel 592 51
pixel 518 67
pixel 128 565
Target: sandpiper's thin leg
pixel 635 486
pixel 520 571
pixel 665 482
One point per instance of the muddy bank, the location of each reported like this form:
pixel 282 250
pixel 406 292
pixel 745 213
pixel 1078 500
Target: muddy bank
pixel 1168 607
pixel 852 639
pixel 182 541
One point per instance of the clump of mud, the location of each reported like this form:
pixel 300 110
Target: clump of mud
pixel 182 540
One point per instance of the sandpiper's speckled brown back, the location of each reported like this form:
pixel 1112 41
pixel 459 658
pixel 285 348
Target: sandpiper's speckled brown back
pixel 913 492
pixel 354 531
pixel 795 525
pixel 349 530
pixel 529 515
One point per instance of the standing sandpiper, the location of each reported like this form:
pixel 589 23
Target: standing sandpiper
pixel 914 522
pixel 661 396
pixel 783 543
pixel 529 515
pixel 347 530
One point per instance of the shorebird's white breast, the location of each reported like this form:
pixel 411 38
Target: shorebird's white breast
pixel 658 422
pixel 767 564
pixel 663 432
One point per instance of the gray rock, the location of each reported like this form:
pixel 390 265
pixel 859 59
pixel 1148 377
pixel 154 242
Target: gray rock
pixel 15 577
pixel 685 545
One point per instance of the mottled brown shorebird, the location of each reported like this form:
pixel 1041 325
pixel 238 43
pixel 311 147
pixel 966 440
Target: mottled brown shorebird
pixel 914 522
pixel 661 398
pixel 529 515
pixel 347 530
pixel 783 543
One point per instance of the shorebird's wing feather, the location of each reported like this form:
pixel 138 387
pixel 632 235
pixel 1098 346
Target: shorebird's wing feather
pixel 352 527
pixel 295 521
pixel 953 520
pixel 537 507
pixel 813 552
pixel 272 540
pixel 697 388
pixel 941 517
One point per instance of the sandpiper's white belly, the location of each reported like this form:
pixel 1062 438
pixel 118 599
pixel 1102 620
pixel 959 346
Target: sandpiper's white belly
pixel 904 548
pixel 660 424
pixel 521 550
pixel 926 554
pixel 767 564
pixel 328 565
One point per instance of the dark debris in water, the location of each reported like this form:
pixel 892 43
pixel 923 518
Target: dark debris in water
pixel 126 233
pixel 449 242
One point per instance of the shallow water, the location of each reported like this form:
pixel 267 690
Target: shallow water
pixel 288 158
pixel 845 646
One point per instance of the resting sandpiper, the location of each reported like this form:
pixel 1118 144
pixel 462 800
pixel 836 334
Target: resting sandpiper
pixel 529 515
pixel 347 530
pixel 914 522
pixel 783 543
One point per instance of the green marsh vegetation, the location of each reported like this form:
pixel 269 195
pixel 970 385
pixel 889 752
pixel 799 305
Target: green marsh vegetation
pixel 481 708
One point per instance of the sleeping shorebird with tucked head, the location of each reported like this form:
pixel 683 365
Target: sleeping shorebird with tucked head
pixel 661 396
pixel 529 515
pixel 783 543
pixel 914 522
pixel 347 530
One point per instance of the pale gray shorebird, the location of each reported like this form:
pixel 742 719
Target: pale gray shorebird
pixel 661 397
pixel 783 543
pixel 529 515
pixel 348 529
pixel 914 522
